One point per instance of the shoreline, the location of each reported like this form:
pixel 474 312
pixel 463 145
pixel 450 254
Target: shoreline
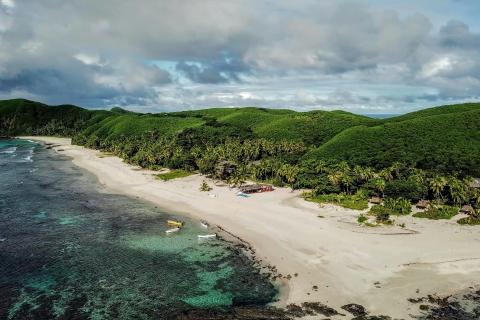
pixel 336 261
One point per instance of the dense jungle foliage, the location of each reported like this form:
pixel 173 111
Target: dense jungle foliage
pixel 432 153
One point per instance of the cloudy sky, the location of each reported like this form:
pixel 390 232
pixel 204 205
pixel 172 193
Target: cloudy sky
pixel 364 56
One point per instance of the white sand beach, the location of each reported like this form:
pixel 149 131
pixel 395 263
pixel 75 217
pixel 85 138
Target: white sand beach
pixel 379 268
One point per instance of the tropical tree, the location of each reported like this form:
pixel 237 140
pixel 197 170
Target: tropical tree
pixel 437 185
pixel 458 191
pixel 379 185
pixel 290 173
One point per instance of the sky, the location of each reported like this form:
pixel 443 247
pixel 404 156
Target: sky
pixel 362 56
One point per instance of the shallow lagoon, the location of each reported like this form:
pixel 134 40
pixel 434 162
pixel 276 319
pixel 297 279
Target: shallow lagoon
pixel 70 250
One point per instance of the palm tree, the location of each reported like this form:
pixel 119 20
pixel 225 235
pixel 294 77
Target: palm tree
pixel 335 177
pixel 458 191
pixel 290 174
pixel 437 185
pixel 386 174
pixel 347 181
pixel 379 185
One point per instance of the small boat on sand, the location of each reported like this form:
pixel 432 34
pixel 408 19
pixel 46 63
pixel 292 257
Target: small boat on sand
pixel 204 224
pixel 207 236
pixel 169 231
pixel 175 223
pixel 243 195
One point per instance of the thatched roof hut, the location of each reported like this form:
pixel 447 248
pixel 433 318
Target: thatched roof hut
pixel 375 200
pixel 475 183
pixel 224 169
pixel 422 204
pixel 468 209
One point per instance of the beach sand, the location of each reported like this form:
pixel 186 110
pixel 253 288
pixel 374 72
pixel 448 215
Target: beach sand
pixel 379 268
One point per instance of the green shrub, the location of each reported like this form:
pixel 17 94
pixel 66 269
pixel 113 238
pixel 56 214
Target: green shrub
pixel 381 213
pixel 361 219
pixel 356 202
pixel 398 206
pixel 409 189
pixel 205 187
pixel 469 221
pixel 174 174
pixel 436 213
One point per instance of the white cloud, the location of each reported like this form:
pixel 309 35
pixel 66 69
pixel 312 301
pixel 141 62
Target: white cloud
pixel 8 3
pixel 437 66
pixel 305 54
pixel 89 60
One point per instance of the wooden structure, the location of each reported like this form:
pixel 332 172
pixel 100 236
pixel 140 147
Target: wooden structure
pixel 422 204
pixel 475 183
pixel 256 188
pixel 375 200
pixel 468 209
pixel 225 169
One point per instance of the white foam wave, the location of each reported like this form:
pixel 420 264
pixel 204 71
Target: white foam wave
pixel 9 150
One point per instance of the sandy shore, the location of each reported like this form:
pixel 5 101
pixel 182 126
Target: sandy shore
pixel 379 268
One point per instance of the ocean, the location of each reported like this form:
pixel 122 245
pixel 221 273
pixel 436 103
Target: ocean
pixel 71 250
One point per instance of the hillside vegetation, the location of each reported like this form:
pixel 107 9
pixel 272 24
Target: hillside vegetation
pixel 446 142
pixel 340 156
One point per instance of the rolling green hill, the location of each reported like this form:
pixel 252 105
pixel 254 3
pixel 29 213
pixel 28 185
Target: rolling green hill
pixel 314 127
pixel 445 139
pixel 20 116
pixel 448 109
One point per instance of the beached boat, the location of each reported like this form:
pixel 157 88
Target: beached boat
pixel 243 195
pixel 207 236
pixel 204 223
pixel 175 223
pixel 169 231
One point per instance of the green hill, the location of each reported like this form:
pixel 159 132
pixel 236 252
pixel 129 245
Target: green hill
pixel 445 139
pixel 314 127
pixel 20 116
pixel 448 109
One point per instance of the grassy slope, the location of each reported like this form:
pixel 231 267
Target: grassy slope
pixel 435 111
pixel 444 138
pixel 314 127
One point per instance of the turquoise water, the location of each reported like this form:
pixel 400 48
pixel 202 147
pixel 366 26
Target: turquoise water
pixel 68 250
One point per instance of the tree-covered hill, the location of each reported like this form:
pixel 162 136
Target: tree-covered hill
pixel 20 116
pixel 435 111
pixel 343 158
pixel 445 139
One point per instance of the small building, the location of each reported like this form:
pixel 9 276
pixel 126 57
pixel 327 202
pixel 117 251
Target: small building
pixel 422 204
pixel 225 169
pixel 475 183
pixel 375 200
pixel 256 188
pixel 468 209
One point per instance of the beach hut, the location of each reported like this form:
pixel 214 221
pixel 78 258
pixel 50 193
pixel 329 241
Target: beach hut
pixel 225 169
pixel 422 204
pixel 256 188
pixel 475 183
pixel 375 200
pixel 468 209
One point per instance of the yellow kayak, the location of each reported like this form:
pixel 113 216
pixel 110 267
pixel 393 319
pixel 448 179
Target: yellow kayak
pixel 174 223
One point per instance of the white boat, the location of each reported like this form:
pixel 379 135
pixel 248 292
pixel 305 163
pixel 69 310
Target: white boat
pixel 204 224
pixel 172 230
pixel 207 236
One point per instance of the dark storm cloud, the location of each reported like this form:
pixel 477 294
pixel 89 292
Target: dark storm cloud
pixel 182 54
